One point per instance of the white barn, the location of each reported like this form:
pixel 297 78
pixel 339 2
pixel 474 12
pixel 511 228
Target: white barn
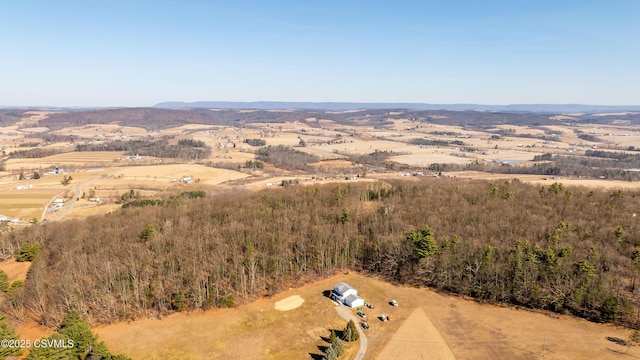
pixel 347 295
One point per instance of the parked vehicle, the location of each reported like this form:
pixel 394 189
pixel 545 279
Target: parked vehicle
pixel 362 315
pixel 365 325
pixel 393 303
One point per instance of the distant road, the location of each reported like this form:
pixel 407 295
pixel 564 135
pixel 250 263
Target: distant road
pixel 46 207
pixel 67 208
pixel 347 315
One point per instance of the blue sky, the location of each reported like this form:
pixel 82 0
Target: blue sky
pixel 138 53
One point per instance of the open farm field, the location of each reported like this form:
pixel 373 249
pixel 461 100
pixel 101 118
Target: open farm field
pixel 102 130
pixel 547 180
pixel 168 173
pixel 65 160
pixel 191 128
pixel 86 208
pixel 426 157
pixel 25 204
pixel 231 157
pixel 332 164
pixel 323 154
pixel 408 144
pixel 424 325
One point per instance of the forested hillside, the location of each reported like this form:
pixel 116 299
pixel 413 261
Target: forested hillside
pixel 563 249
pixel 155 118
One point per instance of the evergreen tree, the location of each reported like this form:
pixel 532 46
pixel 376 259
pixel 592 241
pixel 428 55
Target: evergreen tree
pixel 81 343
pixel 351 332
pixel 332 337
pixel 27 252
pixel 4 281
pixel 424 242
pixel 7 333
pixel 634 338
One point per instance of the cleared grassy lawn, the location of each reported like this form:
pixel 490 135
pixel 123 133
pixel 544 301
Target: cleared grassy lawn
pixel 467 329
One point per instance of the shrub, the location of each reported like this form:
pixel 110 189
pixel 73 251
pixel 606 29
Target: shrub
pixel 4 281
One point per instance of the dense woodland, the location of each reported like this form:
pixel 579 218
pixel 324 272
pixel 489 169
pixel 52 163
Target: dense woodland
pixel 10 116
pixel 286 157
pixel 376 158
pixel 34 153
pixel 570 250
pixel 187 149
pixel 155 118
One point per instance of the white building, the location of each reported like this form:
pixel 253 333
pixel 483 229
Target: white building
pixel 347 295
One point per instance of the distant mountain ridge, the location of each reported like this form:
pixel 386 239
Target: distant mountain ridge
pixel 343 106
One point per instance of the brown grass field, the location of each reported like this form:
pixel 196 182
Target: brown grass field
pixel 66 160
pixel 15 270
pixel 424 325
pixel 108 183
pixel 167 173
pixel 25 204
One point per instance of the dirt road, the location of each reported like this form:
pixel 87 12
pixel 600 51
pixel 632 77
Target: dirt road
pixel 347 315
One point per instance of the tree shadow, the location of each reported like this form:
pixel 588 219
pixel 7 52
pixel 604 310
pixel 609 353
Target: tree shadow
pixel 326 339
pixel 617 340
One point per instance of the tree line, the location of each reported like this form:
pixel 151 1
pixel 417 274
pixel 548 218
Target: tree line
pixel 568 250
pixel 34 153
pixel 558 165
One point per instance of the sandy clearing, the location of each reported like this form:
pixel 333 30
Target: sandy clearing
pixel 417 339
pixel 290 303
